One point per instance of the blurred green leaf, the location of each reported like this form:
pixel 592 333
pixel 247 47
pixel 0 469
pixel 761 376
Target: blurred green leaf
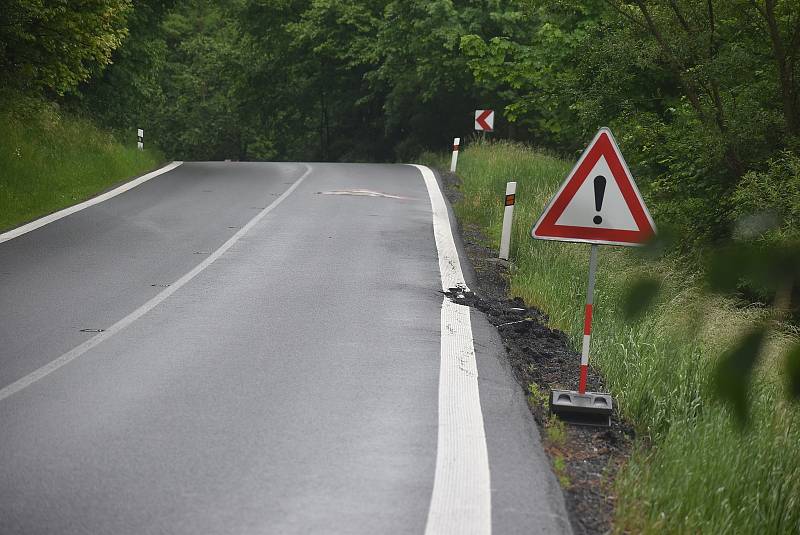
pixel 725 268
pixel 667 239
pixel 734 371
pixel 793 372
pixel 640 297
pixel 767 266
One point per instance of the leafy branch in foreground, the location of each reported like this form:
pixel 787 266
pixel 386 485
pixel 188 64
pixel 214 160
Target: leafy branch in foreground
pixel 770 269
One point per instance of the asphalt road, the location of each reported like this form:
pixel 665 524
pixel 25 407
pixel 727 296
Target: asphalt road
pixel 263 370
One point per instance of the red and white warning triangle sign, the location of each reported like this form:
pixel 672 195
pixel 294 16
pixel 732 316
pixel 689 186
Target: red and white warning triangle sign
pixel 598 202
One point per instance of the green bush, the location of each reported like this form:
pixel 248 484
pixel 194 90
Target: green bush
pixel 50 159
pixel 767 203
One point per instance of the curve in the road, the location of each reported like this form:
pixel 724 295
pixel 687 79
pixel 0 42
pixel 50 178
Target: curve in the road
pixel 309 377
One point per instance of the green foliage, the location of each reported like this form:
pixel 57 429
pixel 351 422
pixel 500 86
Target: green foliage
pixel 706 477
pixel 556 432
pixel 52 159
pixel 699 93
pixel 767 203
pixel 429 91
pixel 560 469
pixel 300 79
pixel 129 90
pixel 200 117
pixel 56 45
pixel 766 268
pixel 733 374
pixel 528 67
pixel 367 80
pixel 705 98
pixel 333 46
pixel 536 396
pixel 304 79
pixel 792 364
pixel 640 296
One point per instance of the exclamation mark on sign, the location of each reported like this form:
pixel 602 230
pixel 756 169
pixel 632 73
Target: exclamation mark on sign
pixel 599 191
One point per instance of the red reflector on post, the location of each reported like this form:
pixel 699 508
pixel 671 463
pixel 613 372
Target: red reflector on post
pixel 510 200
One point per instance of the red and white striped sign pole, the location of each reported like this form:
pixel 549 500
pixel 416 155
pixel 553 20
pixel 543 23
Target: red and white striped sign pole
pixel 587 320
pixel 454 159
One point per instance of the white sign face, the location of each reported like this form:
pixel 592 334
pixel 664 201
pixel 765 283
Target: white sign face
pixel 484 120
pixel 140 132
pixel 598 202
pixel 582 210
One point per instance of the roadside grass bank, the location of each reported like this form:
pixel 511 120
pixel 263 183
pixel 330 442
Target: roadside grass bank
pixel 692 470
pixel 50 159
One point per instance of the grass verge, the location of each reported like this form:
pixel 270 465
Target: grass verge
pixel 692 470
pixel 50 160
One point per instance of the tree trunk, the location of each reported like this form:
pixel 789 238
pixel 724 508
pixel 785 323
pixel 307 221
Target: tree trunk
pixel 784 61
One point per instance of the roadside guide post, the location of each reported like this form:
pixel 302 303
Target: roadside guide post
pixel 454 159
pixel 598 204
pixel 140 138
pixel 508 218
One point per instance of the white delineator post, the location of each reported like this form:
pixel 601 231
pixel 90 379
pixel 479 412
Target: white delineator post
pixel 140 137
pixel 587 320
pixel 508 218
pixel 454 159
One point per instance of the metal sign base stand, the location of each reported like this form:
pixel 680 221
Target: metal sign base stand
pixel 582 407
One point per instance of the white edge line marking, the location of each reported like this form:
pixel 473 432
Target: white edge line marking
pixel 76 352
pixel 461 502
pixel 33 225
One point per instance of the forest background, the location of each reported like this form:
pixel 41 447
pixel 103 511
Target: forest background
pixel 704 96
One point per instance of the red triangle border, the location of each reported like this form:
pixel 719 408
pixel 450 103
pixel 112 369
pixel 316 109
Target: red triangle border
pixel 602 145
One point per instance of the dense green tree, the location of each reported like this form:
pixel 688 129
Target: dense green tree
pixel 372 80
pixel 534 67
pixel 424 77
pixel 57 44
pixel 201 117
pixel 315 77
pixel 129 89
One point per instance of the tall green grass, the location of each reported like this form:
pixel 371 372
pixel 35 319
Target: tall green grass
pixel 50 160
pixel 692 470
